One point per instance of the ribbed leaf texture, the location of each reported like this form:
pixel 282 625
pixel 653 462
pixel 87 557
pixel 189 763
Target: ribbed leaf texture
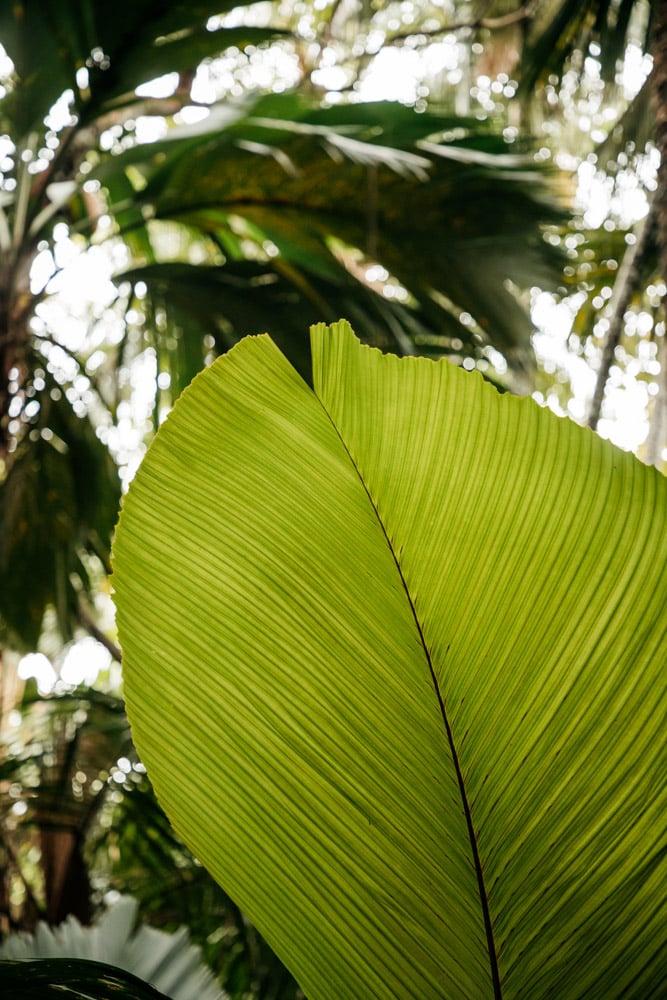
pixel 394 659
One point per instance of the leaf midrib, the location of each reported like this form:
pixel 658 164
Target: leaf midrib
pixel 484 902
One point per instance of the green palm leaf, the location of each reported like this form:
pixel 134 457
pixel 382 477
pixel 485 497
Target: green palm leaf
pixel 560 27
pixel 455 219
pixel 50 40
pixel 403 635
pixel 58 504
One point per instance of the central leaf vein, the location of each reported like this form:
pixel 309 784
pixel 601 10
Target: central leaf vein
pixel 488 927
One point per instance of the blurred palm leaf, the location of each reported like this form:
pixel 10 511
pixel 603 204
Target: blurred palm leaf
pixel 287 203
pixel 596 268
pixel 49 41
pixel 559 27
pixel 58 507
pixel 59 489
pixel 436 201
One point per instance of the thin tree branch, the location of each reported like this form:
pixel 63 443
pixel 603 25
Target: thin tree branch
pixel 657 435
pixel 624 288
pixel 4 840
pixel 658 84
pixel 93 809
pixel 86 621
pixel 328 28
pixel 372 211
pixel 523 13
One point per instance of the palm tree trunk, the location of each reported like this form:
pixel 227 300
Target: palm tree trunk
pixel 66 883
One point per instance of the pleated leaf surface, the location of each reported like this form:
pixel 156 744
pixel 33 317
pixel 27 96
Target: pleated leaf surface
pixel 394 658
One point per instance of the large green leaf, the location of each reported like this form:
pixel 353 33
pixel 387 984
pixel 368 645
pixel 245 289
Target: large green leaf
pixel 405 636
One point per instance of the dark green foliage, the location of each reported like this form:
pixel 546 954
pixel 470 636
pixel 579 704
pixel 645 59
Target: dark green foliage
pixel 58 507
pixel 78 978
pixel 141 41
pixel 288 204
pixel 452 220
pixel 562 27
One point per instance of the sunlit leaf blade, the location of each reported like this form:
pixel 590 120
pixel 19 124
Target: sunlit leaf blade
pixel 407 638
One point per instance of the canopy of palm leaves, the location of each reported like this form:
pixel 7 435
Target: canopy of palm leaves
pixel 288 203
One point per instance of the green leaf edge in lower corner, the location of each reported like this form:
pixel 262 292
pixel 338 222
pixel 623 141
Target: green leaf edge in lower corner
pixel 80 979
